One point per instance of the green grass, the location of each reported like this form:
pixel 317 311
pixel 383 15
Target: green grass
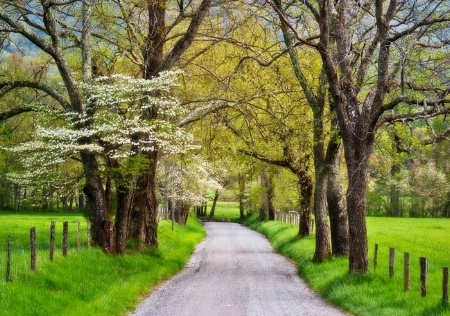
pixel 374 293
pixel 225 211
pixel 89 282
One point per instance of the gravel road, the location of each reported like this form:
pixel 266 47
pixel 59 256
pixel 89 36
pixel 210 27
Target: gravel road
pixel 235 271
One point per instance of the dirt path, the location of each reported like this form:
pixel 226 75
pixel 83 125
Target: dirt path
pixel 235 271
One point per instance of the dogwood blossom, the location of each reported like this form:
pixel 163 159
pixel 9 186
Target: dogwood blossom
pixel 111 126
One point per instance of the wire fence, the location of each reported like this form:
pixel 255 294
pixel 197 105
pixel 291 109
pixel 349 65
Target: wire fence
pixel 20 257
pixel 411 272
pixel 21 253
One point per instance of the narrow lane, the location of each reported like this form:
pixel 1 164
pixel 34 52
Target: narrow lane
pixel 235 272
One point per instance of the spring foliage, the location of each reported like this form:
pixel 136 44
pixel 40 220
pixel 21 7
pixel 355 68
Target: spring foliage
pixel 111 126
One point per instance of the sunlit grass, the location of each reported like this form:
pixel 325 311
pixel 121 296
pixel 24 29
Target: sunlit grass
pixel 89 282
pixel 226 211
pixel 374 293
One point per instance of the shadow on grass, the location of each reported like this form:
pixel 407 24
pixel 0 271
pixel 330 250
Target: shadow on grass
pixel 442 308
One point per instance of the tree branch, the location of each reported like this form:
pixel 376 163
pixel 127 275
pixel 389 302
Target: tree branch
pixel 280 163
pixel 13 112
pixel 180 46
pixel 443 136
pixel 201 112
pixel 8 86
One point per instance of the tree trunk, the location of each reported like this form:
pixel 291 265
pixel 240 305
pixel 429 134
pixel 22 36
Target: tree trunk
pixel 183 212
pixel 94 191
pixel 143 217
pixel 124 200
pixel 336 209
pixel 16 197
pixel 323 247
pixel 306 193
pixel 241 180
pixel 267 210
pixel 394 190
pixel 357 153
pixel 213 207
pixel 263 210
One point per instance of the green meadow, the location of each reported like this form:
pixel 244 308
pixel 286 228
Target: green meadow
pixel 88 282
pixel 92 283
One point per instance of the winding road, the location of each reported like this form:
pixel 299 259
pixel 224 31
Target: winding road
pixel 235 272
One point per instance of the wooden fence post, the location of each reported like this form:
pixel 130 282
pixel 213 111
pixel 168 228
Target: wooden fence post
pixel 52 240
pixel 423 276
pixel 78 235
pixel 89 235
pixel 391 262
pixel 65 238
pixel 445 284
pixel 406 273
pixel 8 261
pixel 375 258
pixel 33 248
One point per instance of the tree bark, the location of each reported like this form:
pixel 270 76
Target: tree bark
pixel 306 194
pixel 124 201
pixel 95 194
pixel 357 153
pixel 323 247
pixel 241 180
pixel 263 210
pixel 336 209
pixel 394 190
pixel 213 207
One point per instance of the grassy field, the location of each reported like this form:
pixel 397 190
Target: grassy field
pixel 374 293
pixel 89 282
pixel 225 211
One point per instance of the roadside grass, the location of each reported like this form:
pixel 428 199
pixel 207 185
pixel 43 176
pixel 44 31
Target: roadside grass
pixel 225 211
pixel 89 282
pixel 374 293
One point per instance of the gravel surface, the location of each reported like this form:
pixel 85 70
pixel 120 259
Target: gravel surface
pixel 235 271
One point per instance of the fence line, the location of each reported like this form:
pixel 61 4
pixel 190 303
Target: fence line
pixel 293 218
pixel 420 269
pixel 21 257
pixel 33 246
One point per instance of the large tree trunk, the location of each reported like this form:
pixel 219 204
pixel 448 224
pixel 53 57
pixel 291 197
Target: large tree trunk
pixel 143 222
pixel 357 154
pixel 182 212
pixel 124 200
pixel 306 193
pixel 323 247
pixel 336 208
pixel 143 217
pixel 102 226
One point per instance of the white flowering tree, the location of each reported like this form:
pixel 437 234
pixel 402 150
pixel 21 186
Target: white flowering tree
pixel 185 181
pixel 120 139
